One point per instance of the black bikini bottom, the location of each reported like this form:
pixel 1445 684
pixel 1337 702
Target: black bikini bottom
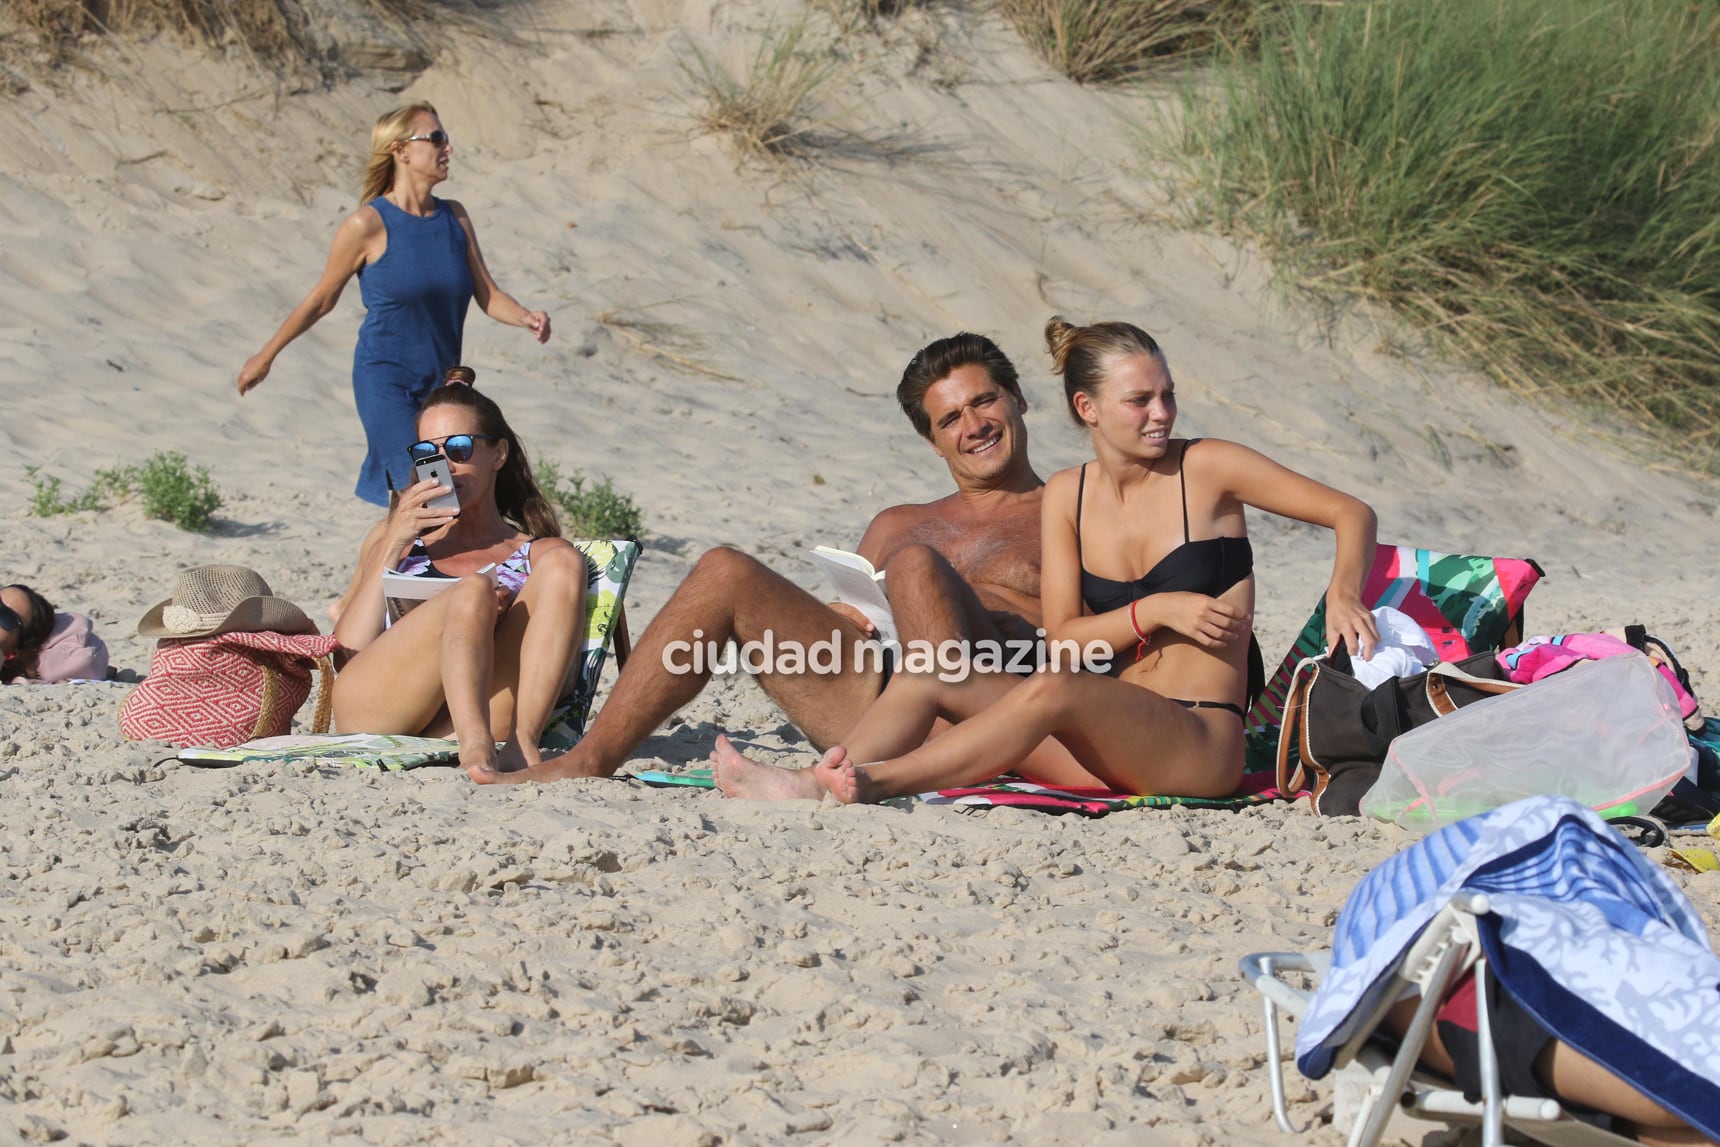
pixel 1518 1040
pixel 1225 705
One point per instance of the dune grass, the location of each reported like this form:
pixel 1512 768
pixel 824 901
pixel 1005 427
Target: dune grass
pixel 269 30
pixel 772 110
pixel 1536 180
pixel 1095 41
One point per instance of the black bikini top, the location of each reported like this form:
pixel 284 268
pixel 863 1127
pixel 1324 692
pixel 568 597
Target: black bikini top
pixel 1209 566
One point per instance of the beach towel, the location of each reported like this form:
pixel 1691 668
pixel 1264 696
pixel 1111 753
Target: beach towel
pixel 360 750
pixel 1465 603
pixel 1596 942
pixel 1014 792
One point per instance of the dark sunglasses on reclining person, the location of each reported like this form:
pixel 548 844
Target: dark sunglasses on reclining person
pixel 436 139
pixel 457 447
pixel 9 618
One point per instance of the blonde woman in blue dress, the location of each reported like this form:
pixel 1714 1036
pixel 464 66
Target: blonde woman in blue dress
pixel 418 265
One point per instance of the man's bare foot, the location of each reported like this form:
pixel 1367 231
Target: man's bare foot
pixel 520 769
pixel 845 780
pixel 479 761
pixel 750 780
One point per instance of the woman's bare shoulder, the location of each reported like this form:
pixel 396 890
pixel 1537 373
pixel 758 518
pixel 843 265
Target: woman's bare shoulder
pixel 364 221
pixel 1063 482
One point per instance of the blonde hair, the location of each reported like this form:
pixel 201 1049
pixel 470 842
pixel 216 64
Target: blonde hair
pixel 1080 354
pixel 391 128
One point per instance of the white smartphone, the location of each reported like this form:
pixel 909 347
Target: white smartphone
pixel 435 468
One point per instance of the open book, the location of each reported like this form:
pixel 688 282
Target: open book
pixel 859 585
pixel 402 592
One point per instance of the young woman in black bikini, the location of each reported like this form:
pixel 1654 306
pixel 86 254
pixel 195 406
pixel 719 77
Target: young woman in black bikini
pixel 1168 719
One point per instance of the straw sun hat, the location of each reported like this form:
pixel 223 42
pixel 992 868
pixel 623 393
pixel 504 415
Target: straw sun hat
pixel 223 599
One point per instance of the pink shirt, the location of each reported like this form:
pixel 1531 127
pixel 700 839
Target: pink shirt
pixel 72 652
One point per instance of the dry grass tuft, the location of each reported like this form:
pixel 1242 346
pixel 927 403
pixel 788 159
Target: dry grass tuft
pixel 1097 41
pixel 668 343
pixel 772 111
pixel 270 31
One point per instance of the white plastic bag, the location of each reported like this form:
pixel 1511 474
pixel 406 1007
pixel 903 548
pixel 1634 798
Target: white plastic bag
pixel 1606 733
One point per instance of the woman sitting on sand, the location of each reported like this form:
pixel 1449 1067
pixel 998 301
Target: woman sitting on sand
pixel 493 652
pixel 1145 551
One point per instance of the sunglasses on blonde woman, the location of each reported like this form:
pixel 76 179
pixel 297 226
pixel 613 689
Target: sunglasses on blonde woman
pixel 437 138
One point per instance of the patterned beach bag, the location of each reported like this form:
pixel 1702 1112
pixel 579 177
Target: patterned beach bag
pixel 229 688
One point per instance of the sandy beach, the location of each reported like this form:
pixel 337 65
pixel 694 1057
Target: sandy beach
pixel 325 955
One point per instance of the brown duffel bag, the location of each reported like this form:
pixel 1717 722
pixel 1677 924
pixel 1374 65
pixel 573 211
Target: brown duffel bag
pixel 1339 729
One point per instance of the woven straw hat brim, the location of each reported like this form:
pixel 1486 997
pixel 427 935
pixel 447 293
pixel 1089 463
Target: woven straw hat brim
pixel 251 615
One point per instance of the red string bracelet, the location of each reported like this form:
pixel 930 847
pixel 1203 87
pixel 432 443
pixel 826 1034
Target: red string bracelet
pixel 1141 649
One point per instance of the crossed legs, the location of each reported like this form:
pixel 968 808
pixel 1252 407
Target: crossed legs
pixel 1063 728
pixel 931 603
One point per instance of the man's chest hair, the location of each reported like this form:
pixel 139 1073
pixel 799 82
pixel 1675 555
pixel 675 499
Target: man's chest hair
pixel 1000 550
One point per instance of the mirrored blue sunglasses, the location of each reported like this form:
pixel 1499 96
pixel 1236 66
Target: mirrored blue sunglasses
pixel 457 447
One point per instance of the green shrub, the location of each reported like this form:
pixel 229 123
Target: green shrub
pixel 1092 41
pixel 170 488
pixel 173 491
pixel 1534 180
pixel 601 513
pixel 46 501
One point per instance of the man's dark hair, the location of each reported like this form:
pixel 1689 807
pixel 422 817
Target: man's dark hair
pixel 935 362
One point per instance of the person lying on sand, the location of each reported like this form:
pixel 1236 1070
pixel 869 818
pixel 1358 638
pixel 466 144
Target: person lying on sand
pixel 962 568
pixel 492 653
pixel 1146 552
pixel 39 643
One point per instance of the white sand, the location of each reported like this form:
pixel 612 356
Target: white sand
pixel 280 955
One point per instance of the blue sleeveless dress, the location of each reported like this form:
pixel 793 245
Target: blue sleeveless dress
pixel 415 300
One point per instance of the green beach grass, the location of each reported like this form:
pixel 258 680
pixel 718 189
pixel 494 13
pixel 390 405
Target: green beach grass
pixel 1535 181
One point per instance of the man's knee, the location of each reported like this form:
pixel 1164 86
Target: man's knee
pixel 724 566
pixel 916 564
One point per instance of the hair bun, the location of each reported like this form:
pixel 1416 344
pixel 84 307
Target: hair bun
pixel 1059 337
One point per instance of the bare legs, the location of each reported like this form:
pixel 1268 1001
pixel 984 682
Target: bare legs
pixel 451 665
pixel 1077 729
pixel 1574 1078
pixel 931 603
pixel 727 596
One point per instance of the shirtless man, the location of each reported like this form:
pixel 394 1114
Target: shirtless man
pixel 965 567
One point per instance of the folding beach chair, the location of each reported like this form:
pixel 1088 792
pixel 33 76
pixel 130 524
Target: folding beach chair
pixel 611 565
pixel 1372 1083
pixel 1590 940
